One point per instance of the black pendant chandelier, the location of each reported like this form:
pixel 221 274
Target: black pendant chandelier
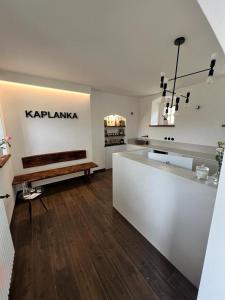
pixel 175 98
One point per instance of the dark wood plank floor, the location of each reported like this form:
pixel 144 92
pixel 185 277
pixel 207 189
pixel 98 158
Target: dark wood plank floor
pixel 83 249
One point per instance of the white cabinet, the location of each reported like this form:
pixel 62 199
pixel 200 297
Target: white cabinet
pixel 108 154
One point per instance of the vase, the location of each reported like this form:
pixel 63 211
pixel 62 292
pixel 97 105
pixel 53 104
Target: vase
pixel 216 176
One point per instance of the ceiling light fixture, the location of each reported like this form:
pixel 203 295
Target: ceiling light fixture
pixel 175 99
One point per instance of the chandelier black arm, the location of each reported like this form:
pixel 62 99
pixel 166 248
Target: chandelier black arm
pixel 175 75
pixel 176 93
pixel 189 74
pixel 163 83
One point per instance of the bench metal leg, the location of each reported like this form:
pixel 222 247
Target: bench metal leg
pixel 43 204
pixel 87 174
pixel 30 211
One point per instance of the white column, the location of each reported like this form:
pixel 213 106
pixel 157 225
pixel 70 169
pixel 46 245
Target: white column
pixel 212 286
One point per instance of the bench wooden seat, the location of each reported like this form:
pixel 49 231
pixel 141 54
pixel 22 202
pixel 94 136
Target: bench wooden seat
pixel 31 177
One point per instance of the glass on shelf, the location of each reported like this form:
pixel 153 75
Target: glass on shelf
pixel 39 189
pixel 26 189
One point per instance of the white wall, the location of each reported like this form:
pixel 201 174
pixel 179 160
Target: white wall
pixel 214 12
pixel 104 104
pixel 201 127
pixel 6 176
pixel 38 136
pixel 212 282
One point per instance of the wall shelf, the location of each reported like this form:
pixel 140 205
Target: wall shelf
pixel 161 125
pixel 4 159
pixel 115 126
pixel 109 145
pixel 116 135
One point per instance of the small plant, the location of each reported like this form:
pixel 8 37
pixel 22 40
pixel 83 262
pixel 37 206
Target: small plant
pixel 219 156
pixel 5 142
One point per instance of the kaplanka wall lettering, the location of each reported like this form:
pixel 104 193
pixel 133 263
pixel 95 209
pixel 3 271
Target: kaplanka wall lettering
pixel 51 115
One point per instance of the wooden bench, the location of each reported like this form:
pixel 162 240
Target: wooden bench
pixel 40 160
pixel 31 177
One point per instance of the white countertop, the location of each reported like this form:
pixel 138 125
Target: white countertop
pixel 178 171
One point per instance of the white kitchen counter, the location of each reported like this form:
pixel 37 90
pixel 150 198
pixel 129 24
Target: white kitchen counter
pixel 139 156
pixel 168 206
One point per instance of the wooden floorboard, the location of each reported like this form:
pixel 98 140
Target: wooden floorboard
pixel 83 249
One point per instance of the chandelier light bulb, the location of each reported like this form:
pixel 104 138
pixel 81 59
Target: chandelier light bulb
pixel 177 112
pixel 167 108
pixel 164 90
pixel 187 97
pixel 213 56
pixel 209 79
pixel 163 99
pixel 186 106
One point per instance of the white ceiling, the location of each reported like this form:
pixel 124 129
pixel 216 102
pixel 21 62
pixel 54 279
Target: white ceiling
pixel 119 46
